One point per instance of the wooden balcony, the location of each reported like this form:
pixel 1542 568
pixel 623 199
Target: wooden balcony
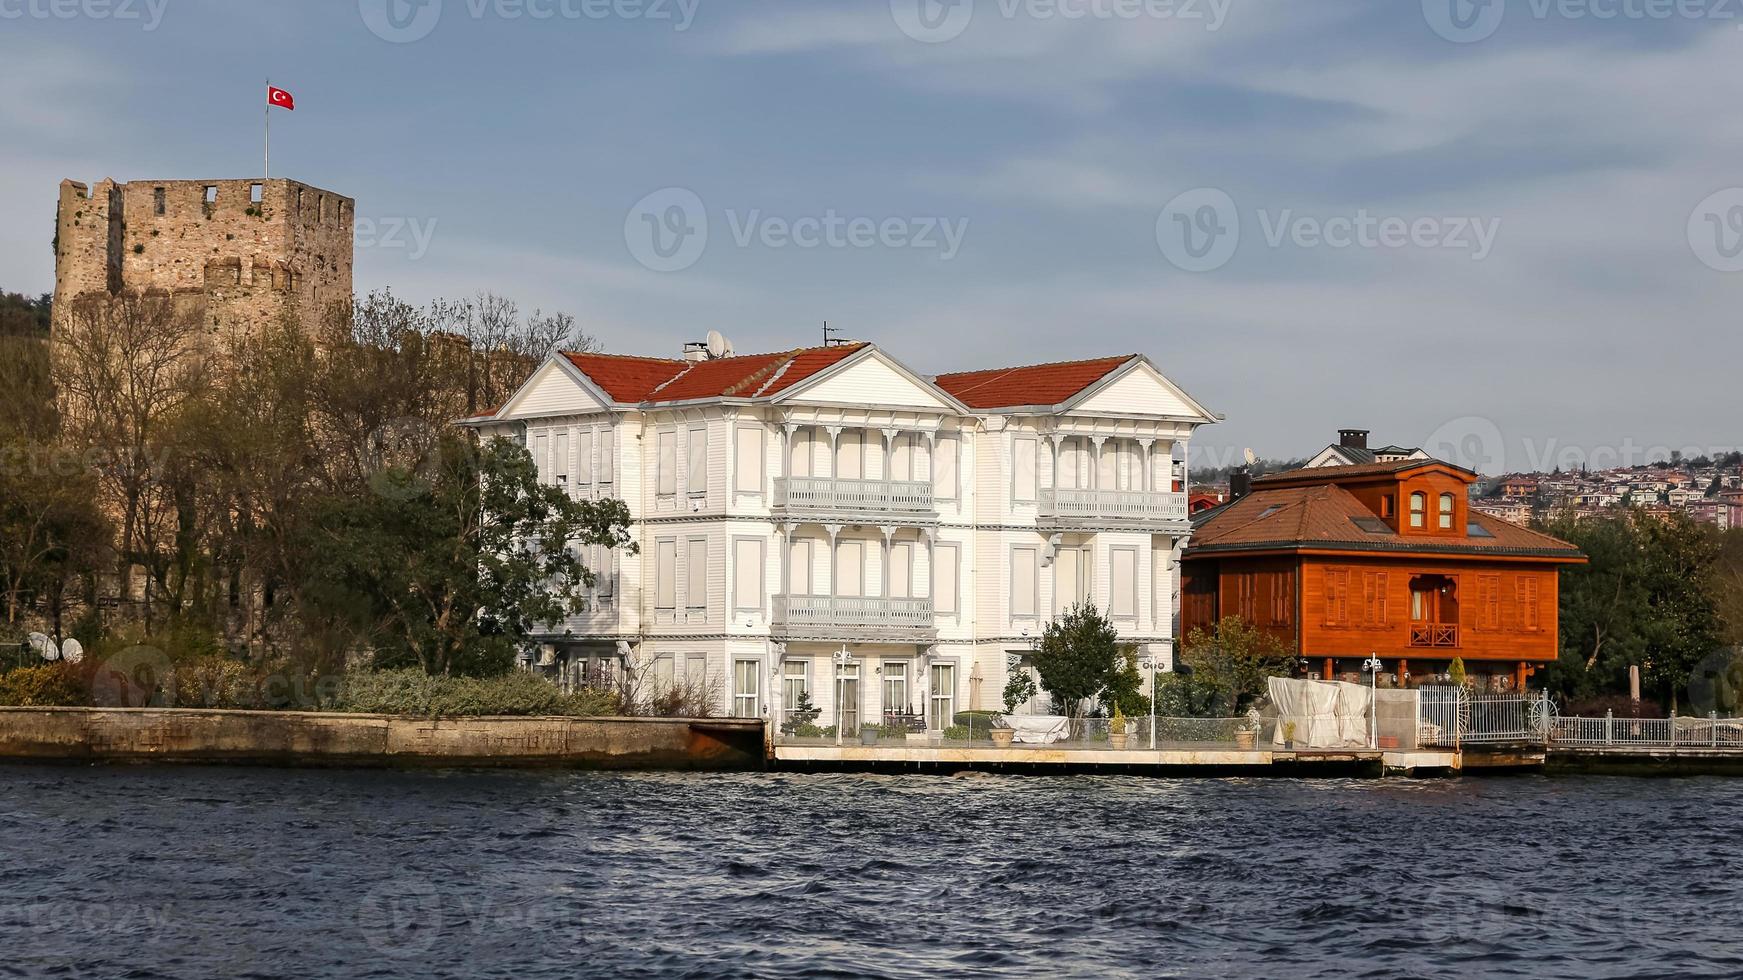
pixel 862 618
pixel 1434 635
pixel 1122 507
pixel 824 495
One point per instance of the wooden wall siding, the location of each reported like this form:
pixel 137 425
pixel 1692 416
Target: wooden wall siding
pixel 1354 607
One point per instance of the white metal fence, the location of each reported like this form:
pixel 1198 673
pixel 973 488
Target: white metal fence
pixel 1453 717
pixel 1690 733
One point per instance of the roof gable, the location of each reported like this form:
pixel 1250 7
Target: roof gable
pixel 870 378
pixel 1137 388
pixel 555 388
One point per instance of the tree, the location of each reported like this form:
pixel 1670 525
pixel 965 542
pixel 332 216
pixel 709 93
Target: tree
pixel 1019 685
pixel 453 568
pixel 1078 658
pixel 1645 597
pixel 1238 658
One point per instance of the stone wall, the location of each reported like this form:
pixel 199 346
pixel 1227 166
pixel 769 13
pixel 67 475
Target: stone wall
pixel 335 739
pixel 247 250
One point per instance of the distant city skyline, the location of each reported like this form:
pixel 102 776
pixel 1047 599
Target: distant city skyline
pixel 1517 235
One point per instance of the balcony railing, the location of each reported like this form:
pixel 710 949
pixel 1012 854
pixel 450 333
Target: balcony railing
pixel 872 614
pixel 823 494
pixel 1434 635
pixel 1114 505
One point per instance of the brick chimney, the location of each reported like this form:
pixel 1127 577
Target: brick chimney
pixel 1353 438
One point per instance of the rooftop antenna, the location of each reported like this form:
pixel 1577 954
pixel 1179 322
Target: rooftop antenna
pixel 829 335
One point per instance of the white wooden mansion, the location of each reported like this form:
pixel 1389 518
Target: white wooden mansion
pixel 794 505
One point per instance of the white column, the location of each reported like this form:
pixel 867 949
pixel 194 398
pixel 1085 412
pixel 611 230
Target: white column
pixel 889 532
pixel 834 453
pixel 1095 464
pixel 1147 445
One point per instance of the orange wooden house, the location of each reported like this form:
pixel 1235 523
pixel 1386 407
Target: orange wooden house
pixel 1383 559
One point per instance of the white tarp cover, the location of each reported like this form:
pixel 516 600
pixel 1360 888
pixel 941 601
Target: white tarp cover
pixel 1327 714
pixel 1038 729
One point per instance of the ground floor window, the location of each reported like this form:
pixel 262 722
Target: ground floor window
pixel 942 707
pixel 895 675
pixel 795 682
pixel 747 689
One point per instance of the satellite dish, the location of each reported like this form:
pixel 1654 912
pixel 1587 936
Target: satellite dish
pixel 44 647
pixel 717 345
pixel 72 651
pixel 1251 458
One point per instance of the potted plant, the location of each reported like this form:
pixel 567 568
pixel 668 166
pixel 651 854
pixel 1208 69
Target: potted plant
pixel 1117 730
pixel 1247 735
pixel 868 734
pixel 1289 736
pixel 1019 688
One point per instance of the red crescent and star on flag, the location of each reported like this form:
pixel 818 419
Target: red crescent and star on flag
pixel 279 97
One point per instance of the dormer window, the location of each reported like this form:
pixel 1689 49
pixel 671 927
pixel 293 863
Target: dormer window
pixel 1386 506
pixel 1419 509
pixel 1446 512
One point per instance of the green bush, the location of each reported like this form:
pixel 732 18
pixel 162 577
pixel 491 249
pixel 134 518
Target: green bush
pixel 412 692
pixel 978 724
pixel 958 733
pixel 56 685
pixel 217 682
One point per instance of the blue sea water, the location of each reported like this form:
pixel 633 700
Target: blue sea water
pixel 184 872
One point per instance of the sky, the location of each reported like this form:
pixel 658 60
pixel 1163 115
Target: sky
pixel 1510 231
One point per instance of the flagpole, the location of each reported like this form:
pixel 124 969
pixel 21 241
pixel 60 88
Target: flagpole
pixel 266 163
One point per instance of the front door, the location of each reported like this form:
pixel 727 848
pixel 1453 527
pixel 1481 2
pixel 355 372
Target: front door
pixel 849 678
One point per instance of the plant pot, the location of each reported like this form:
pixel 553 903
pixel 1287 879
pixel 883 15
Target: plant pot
pixel 1002 737
pixel 868 736
pixel 1388 741
pixel 1289 745
pixel 1246 741
pixel 1117 741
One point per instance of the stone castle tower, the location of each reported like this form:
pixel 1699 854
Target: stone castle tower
pixel 246 252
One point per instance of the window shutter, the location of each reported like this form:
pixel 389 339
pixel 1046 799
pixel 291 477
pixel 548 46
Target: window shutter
pixel 1023 469
pixel 849 568
pixel 748 574
pixel 945 558
pixel 584 458
pixel 696 454
pixel 799 572
pixel 666 465
pixel 1122 602
pixel 902 570
pixel 1023 581
pixel 749 463
pixel 944 467
pixel 696 574
pixel 665 572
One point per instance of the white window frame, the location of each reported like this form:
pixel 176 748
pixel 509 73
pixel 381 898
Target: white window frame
pixel 739 604
pixel 804 679
pixel 696 462
pixel 947 477
pixel 694 602
pixel 749 482
pixel 954 593
pixel 1114 590
pixel 1019 492
pixel 1035 581
pixel 665 576
pixel 742 699
pixel 907 685
pixel 933 697
pixel 666 463
pixel 898 549
pixel 842 546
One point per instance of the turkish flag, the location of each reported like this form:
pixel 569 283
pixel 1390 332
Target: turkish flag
pixel 279 97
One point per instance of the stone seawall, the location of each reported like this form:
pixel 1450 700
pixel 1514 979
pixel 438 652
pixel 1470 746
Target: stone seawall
pixel 335 739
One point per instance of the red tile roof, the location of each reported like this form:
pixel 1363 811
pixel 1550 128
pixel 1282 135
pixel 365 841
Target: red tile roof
pixel 634 380
pixel 1326 516
pixel 1335 474
pixel 1038 384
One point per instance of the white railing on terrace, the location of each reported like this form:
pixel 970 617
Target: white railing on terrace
pixel 1690 733
pixel 824 493
pixel 853 612
pixel 1124 505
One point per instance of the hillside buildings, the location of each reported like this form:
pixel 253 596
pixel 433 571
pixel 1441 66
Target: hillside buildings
pixel 827 519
